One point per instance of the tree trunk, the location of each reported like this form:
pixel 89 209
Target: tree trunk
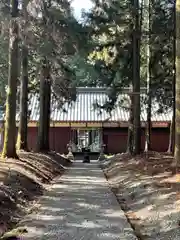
pixel 147 10
pixel 9 148
pixel 130 129
pixel 136 80
pixel 172 129
pixel 148 124
pixel 172 146
pixel 22 130
pixel 171 135
pixel 45 104
pixel 177 121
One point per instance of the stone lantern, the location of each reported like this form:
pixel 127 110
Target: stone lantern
pixel 70 155
pixel 102 156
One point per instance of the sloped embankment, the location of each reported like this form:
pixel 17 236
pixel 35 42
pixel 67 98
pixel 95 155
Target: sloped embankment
pixel 147 192
pixel 23 180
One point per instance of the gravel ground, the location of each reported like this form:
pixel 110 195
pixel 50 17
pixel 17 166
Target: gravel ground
pixel 80 205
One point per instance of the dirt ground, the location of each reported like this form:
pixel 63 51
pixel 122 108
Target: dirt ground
pixel 22 181
pixel 147 192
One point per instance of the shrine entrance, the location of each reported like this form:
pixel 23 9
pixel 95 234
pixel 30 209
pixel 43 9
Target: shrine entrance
pixel 86 138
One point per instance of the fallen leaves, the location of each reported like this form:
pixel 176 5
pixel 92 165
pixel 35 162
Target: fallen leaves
pixel 23 180
pixel 147 191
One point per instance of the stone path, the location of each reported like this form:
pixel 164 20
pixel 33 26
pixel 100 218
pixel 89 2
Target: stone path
pixel 79 206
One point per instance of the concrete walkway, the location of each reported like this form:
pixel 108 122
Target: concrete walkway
pixel 79 206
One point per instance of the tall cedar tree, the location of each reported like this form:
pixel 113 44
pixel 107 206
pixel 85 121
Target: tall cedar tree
pixel 9 148
pixel 112 24
pixel 45 101
pixel 177 132
pixel 45 95
pixel 171 147
pixel 60 38
pixel 22 131
pixel 136 79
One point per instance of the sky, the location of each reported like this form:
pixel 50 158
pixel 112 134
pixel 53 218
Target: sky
pixel 78 5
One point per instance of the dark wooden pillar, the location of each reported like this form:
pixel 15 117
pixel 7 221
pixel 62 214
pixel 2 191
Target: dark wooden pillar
pixel 90 137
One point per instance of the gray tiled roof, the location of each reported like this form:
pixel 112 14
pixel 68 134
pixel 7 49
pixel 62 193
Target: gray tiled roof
pixel 83 108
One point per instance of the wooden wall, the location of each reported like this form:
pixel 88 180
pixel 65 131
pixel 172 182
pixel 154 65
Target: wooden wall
pixel 115 139
pixel 59 138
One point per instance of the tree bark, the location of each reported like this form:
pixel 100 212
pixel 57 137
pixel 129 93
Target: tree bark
pixel 136 80
pixel 177 121
pixel 148 4
pixel 22 131
pixel 9 148
pixel 130 129
pixel 171 135
pixel 171 147
pixel 148 124
pixel 45 103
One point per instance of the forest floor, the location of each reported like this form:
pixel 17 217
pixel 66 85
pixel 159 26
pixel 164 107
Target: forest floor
pixel 148 193
pixel 23 180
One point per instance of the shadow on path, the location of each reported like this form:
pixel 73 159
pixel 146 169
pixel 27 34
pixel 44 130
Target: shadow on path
pixel 80 205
